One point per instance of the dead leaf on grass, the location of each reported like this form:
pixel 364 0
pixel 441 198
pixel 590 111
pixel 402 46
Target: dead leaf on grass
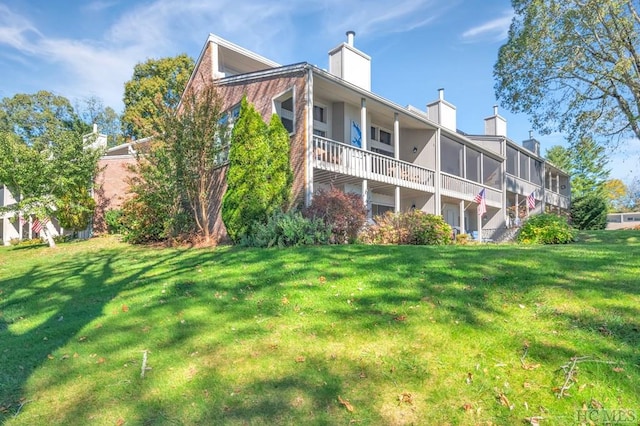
pixel 322 279
pixel 346 404
pixel 300 358
pixel 400 318
pixel 595 404
pixel 50 356
pixel 530 366
pixel 618 369
pixel 533 421
pixel 467 407
pixel 100 360
pixel 120 422
pixel 285 301
pixel 405 397
pixel 125 308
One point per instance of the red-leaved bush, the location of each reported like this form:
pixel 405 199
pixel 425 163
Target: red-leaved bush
pixel 344 212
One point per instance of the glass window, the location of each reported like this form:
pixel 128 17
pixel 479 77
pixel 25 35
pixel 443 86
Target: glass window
pixel 284 108
pixel 524 166
pixel 379 209
pixel 473 165
pixel 512 161
pixel 319 114
pixel 451 157
pixel 385 137
pixel 492 176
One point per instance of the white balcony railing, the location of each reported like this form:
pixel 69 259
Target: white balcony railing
pixel 555 199
pixel 454 186
pixel 345 159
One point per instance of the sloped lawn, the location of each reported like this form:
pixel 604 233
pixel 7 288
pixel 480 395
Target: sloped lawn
pixel 321 335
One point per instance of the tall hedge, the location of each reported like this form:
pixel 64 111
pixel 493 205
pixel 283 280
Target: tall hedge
pixel 259 175
pixel 589 212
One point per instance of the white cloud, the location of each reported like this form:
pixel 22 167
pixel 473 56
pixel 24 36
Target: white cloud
pixel 495 30
pixel 81 67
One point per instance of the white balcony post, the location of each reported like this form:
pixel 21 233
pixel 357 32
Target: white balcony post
pixel 363 132
pixel 462 224
pixel 396 155
pixel 437 178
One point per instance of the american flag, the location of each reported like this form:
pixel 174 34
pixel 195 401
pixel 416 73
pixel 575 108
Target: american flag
pixel 482 204
pixel 531 201
pixel 39 224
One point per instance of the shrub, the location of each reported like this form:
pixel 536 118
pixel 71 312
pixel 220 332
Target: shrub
pixel 142 223
pixel 286 230
pixel 113 219
pixel 413 227
pixel 462 239
pixel 589 212
pixel 344 213
pixel 546 229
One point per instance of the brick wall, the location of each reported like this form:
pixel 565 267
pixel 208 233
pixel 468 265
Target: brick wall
pixel 111 187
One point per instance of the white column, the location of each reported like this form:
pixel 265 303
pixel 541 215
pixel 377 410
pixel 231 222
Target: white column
pixel 462 224
pixel 309 139
pixel 30 230
pixel 396 155
pixel 436 184
pixel 363 132
pixel 479 224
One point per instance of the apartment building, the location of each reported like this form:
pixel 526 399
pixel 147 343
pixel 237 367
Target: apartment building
pixel 397 158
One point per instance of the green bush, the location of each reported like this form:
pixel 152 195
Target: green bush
pixel 343 212
pixel 114 219
pixel 259 176
pixel 546 229
pixel 589 212
pixel 286 230
pixel 413 227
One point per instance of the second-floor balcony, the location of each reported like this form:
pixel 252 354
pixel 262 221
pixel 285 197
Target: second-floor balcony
pixel 345 159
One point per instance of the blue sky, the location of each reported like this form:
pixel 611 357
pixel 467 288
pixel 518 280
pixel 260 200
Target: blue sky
pixel 89 48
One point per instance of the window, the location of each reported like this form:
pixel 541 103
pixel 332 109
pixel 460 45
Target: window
pixel 380 135
pixel 379 209
pixel 451 157
pixel 319 114
pixel 473 165
pixel 283 106
pixel 492 175
pixel 320 126
pixel 385 137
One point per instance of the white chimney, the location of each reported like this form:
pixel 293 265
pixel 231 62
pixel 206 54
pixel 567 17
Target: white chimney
pixel 350 36
pixel 95 128
pixel 350 64
pixel 495 125
pixel 442 112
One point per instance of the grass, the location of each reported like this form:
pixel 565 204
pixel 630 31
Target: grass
pixel 401 335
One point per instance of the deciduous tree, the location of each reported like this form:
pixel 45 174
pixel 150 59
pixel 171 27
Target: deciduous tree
pixel 45 161
pixel 573 66
pixel 156 85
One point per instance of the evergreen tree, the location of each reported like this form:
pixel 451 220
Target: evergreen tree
pixel 259 176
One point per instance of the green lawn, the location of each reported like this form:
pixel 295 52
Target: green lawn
pixel 401 335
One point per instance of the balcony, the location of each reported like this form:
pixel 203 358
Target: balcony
pixel 341 158
pixel 556 199
pixel 457 187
